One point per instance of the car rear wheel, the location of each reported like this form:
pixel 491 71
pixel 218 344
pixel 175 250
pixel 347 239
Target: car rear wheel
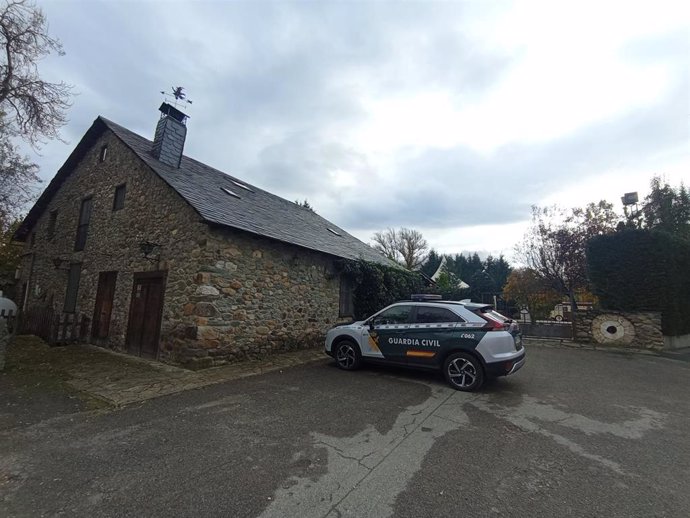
pixel 347 355
pixel 463 372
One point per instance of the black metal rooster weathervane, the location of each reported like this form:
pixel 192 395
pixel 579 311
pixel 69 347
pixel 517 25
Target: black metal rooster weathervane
pixel 178 94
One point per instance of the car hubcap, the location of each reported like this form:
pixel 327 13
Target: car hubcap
pixel 462 372
pixel 345 356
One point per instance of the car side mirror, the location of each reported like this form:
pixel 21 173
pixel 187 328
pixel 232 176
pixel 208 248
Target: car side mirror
pixel 371 324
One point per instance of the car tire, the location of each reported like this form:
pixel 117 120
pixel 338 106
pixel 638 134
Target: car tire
pixel 347 356
pixel 559 318
pixel 463 372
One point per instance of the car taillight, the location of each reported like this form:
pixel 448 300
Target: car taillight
pixel 493 325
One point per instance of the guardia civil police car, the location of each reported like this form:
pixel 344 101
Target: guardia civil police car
pixel 468 342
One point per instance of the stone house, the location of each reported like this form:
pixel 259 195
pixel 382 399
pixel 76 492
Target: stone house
pixel 174 260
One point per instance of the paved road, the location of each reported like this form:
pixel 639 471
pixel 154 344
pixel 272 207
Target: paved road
pixel 575 433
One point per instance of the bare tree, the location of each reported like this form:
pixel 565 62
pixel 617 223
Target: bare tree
pixel 406 246
pixel 413 247
pixel 30 108
pixel 34 109
pixel 555 245
pixel 17 176
pixel 386 242
pixel 526 288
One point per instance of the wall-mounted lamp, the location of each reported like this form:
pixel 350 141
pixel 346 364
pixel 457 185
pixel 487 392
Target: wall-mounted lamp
pixel 148 248
pixel 60 264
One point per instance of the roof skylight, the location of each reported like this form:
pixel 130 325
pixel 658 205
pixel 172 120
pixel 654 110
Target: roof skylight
pixel 228 191
pixel 241 185
pixel 333 231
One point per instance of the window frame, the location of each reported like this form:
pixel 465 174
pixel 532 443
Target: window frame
pixel 83 226
pixel 72 289
pixel 103 153
pixel 346 298
pixel 52 224
pixel 120 188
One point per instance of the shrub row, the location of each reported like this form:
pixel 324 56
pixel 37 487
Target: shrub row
pixel 637 270
pixel 376 286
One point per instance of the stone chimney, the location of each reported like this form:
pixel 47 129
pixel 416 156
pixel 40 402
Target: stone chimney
pixel 168 143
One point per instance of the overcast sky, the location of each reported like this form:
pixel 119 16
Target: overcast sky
pixel 451 118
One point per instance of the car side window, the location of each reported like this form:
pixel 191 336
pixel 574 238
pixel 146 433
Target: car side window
pixel 395 315
pixel 428 315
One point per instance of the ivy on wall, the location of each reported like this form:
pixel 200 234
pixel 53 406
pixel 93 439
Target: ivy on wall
pixel 637 270
pixel 377 286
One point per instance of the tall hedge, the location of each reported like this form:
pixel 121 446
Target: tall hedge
pixel 637 270
pixel 377 286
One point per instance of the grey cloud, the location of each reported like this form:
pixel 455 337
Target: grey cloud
pixel 458 187
pixel 275 84
pixel 277 101
pixel 671 47
pixel 301 165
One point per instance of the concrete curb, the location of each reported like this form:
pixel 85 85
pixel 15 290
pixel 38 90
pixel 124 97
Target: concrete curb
pixel 549 342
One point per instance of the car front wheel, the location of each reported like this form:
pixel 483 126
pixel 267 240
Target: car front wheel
pixel 347 355
pixel 463 372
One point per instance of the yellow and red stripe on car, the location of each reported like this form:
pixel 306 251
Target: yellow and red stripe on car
pixel 420 354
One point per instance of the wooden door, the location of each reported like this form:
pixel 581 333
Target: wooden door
pixel 103 308
pixel 145 312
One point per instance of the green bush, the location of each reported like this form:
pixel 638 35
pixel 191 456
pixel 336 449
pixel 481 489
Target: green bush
pixel 377 286
pixel 637 270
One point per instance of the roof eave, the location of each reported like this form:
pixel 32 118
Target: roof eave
pixel 216 224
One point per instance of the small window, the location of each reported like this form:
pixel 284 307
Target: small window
pixel 394 315
pixel 428 315
pixel 25 292
pixel 333 231
pixel 103 154
pixel 83 226
pixel 72 287
pixel 347 306
pixel 119 199
pixel 52 223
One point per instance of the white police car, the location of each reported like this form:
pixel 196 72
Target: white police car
pixel 453 337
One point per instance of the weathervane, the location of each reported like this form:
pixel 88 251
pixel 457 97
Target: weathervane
pixel 178 95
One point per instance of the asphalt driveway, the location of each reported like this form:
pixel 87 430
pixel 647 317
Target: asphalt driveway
pixel 575 433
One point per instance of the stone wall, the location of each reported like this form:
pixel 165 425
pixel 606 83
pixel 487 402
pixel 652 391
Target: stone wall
pixel 641 330
pixel 152 212
pixel 254 296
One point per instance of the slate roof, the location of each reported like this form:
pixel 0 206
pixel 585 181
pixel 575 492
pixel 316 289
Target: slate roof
pixel 251 209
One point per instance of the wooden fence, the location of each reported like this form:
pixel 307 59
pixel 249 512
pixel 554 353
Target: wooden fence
pixel 53 327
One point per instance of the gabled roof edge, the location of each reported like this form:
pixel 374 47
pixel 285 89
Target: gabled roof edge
pixel 91 135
